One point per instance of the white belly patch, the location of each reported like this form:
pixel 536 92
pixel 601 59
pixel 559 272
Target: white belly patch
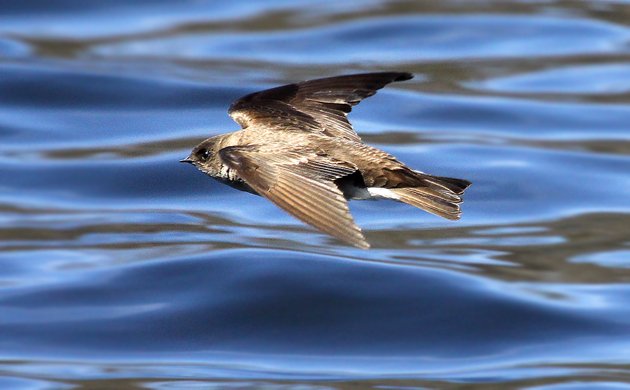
pixel 377 192
pixel 362 193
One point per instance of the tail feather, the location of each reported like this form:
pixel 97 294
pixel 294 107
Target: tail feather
pixel 457 186
pixel 441 196
pixel 418 197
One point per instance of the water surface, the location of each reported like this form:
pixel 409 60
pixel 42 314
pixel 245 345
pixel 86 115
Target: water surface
pixel 121 268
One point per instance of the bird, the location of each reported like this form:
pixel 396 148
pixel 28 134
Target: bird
pixel 297 148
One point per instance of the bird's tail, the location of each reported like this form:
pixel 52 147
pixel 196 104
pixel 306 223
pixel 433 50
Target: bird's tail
pixel 441 196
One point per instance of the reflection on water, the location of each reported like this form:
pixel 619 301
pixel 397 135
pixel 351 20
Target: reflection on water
pixel 121 268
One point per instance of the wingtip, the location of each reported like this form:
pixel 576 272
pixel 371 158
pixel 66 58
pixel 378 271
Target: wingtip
pixel 360 242
pixel 363 245
pixel 403 76
pixel 356 238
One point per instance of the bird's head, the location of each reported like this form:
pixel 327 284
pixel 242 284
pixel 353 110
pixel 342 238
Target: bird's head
pixel 205 157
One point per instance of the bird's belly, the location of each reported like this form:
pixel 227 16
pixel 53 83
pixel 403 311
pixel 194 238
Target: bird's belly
pixel 237 184
pixel 363 193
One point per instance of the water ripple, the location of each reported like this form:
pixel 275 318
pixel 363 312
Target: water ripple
pixel 121 268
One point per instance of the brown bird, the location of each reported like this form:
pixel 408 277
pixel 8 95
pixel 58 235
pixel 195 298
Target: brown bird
pixel 297 149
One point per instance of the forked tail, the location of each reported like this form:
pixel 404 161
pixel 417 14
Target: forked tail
pixel 439 195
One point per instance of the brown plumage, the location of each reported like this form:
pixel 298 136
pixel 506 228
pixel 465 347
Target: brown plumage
pixel 298 150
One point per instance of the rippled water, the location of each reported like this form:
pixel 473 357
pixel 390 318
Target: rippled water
pixel 121 268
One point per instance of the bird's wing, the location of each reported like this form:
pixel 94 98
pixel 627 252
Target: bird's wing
pixel 302 184
pixel 320 105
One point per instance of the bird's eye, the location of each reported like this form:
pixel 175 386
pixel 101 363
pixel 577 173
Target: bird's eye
pixel 203 154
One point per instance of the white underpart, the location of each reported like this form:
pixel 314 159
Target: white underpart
pixel 227 173
pixel 362 193
pixel 377 192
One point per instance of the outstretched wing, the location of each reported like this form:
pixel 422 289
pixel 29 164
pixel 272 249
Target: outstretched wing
pixel 302 184
pixel 320 105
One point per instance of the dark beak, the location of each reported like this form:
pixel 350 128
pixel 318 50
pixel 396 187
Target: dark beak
pixel 187 160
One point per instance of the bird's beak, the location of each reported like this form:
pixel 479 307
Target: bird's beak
pixel 187 160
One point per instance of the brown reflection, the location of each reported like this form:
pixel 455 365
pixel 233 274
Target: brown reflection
pixel 265 21
pixel 104 243
pixel 541 252
pixel 546 251
pixel 134 377
pixel 443 76
pixel 137 150
pixel 609 146
pixel 156 148
pixel 298 18
pixel 89 233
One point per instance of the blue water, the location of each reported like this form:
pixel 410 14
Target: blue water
pixel 122 268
